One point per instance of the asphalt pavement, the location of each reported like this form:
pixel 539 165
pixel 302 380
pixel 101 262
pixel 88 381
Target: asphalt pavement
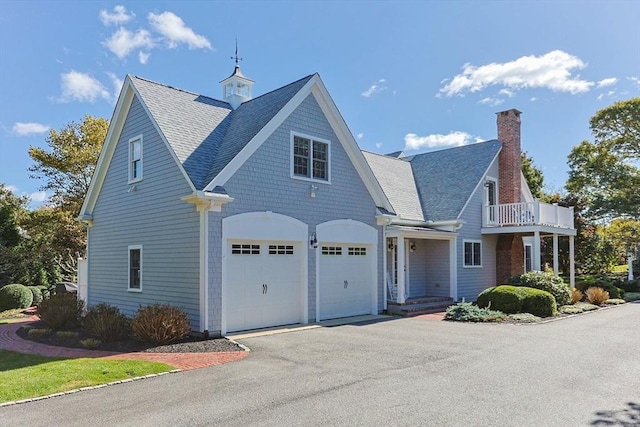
pixel 579 371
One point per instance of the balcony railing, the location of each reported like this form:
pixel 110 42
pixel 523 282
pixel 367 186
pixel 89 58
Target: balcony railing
pixel 528 213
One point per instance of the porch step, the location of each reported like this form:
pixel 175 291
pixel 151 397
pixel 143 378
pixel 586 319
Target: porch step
pixel 418 306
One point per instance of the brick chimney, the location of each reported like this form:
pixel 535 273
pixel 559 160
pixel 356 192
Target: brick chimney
pixel 509 161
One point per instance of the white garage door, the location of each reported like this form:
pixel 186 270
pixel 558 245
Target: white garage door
pixel 346 279
pixel 264 284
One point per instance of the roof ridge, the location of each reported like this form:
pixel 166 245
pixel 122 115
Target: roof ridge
pixel 413 156
pixel 177 88
pixel 384 155
pixel 277 89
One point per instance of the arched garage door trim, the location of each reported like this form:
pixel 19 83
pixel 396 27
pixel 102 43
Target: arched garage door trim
pixel 348 232
pixel 264 227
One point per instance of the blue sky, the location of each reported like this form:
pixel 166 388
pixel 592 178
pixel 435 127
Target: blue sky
pixel 406 75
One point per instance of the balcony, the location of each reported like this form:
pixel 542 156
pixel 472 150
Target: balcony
pixel 526 214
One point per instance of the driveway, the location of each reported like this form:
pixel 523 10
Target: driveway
pixel 574 372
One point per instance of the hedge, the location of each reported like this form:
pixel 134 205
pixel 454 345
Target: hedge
pixel 518 299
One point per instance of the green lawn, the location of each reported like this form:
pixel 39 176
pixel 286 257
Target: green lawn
pixel 24 376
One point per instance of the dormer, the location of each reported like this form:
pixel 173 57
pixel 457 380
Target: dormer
pixel 236 88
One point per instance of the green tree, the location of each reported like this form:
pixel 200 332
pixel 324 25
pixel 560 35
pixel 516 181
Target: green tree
pixel 533 175
pixel 624 235
pixel 67 169
pixel 605 174
pixel 12 209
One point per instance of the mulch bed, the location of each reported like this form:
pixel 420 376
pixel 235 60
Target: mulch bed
pixel 189 344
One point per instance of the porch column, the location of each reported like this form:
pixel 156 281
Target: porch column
pixel 401 269
pixel 555 253
pixel 453 271
pixel 536 251
pixel 572 266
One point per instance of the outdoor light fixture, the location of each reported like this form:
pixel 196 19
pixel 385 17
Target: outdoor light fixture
pixel 313 190
pixel 412 246
pixel 390 245
pixel 313 241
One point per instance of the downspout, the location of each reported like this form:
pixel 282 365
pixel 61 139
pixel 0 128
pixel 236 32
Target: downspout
pixel 204 269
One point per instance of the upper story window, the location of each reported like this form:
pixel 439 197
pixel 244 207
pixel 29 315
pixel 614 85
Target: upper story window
pixel 135 159
pixel 472 253
pixel 310 158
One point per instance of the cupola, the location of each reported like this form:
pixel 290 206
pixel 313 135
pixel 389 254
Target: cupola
pixel 236 88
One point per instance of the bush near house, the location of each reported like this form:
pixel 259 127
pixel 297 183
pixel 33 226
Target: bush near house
pixel 61 311
pixel 15 296
pixel 596 295
pixel 604 283
pixel 544 281
pixel 37 294
pixel 160 324
pixel 106 322
pixel 469 312
pixel 576 295
pixel 519 299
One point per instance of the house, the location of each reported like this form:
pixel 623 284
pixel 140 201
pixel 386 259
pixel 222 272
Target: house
pixel 256 212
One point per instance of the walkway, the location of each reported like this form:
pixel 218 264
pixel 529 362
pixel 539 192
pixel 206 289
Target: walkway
pixel 9 340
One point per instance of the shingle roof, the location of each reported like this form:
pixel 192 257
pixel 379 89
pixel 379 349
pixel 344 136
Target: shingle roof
pixel 206 133
pixel 433 186
pixel 396 179
pixel 446 178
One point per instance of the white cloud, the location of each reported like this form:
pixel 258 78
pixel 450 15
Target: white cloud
pixel 533 98
pixel 600 96
pixel 172 27
pixel 143 57
pixel 360 135
pixel 607 82
pixel 12 188
pixel 456 139
pixel 123 42
pixel 378 144
pixel 82 87
pixel 38 196
pixel 507 92
pixel 375 88
pixel 117 85
pixel 26 129
pixel 118 17
pixel 491 101
pixel 636 80
pixel 552 71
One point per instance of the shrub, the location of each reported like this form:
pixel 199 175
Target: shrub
pixel 545 281
pixel 523 318
pixel 585 306
pixel 469 312
pixel 629 285
pixel 37 294
pixel 15 296
pixel 603 283
pixel 596 295
pixel 106 322
pixel 570 309
pixel 34 333
pixel 614 301
pixel 61 311
pixel 90 343
pixel 514 299
pixel 576 295
pixel 503 298
pixel 632 296
pixel 160 324
pixel 66 335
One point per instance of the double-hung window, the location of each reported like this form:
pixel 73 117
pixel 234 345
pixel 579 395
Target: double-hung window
pixel 310 158
pixel 135 268
pixel 135 159
pixel 472 253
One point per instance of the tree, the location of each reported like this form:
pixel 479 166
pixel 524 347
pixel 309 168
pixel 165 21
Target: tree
pixel 624 235
pixel 68 167
pixel 605 174
pixel 533 175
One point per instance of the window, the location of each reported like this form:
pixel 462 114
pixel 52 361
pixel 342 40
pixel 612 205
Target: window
pixel 280 249
pixel 472 253
pixel 310 158
pixel 245 249
pixel 357 251
pixel 135 159
pixel 527 258
pixel 135 268
pixel 331 250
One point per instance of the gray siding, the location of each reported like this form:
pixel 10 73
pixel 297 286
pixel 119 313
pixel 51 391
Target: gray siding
pixel 429 268
pixel 471 281
pixel 154 217
pixel 263 183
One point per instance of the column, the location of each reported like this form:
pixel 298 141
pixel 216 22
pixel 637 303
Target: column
pixel 401 269
pixel 572 266
pixel 536 251
pixel 555 253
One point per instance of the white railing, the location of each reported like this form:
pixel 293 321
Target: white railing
pixel 527 213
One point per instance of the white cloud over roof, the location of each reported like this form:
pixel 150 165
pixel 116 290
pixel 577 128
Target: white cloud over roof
pixel 553 70
pixel 123 42
pixel 173 28
pixel 29 128
pixel 82 87
pixel 452 139
pixel 375 88
pixel 118 17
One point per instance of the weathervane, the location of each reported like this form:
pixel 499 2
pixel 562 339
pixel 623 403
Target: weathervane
pixel 236 57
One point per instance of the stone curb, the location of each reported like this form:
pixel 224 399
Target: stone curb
pixel 95 387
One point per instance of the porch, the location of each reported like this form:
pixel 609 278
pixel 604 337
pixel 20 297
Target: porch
pixel 417 306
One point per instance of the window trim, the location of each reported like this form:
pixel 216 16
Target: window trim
pixel 464 257
pixel 129 249
pixel 309 178
pixel 131 160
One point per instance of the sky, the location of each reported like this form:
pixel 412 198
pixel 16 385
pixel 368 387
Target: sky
pixel 406 75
